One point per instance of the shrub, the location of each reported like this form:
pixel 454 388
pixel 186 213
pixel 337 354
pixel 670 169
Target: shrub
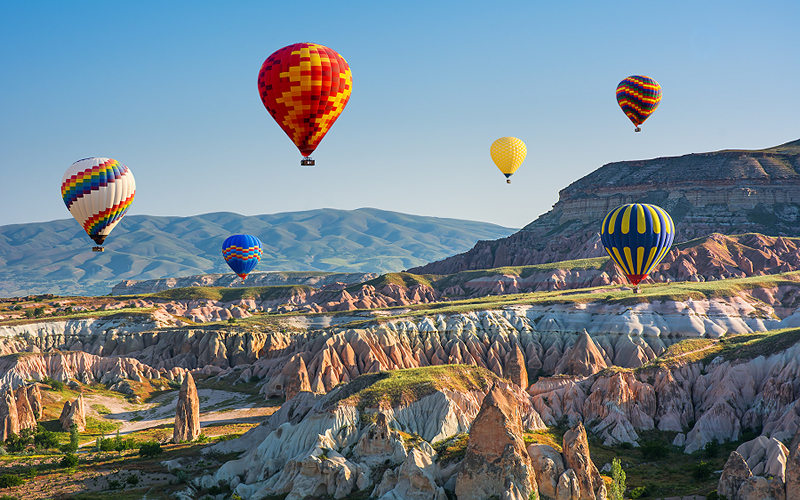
pixel 181 476
pixel 38 311
pixel 639 492
pixel 711 496
pixel 202 438
pixel 150 449
pixel 626 445
pixel 701 471
pixel 132 480
pixel 54 384
pixel 231 320
pixel 10 480
pixel 69 460
pixel 711 449
pixel 45 439
pixel 114 484
pixel 654 450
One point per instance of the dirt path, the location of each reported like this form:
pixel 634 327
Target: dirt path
pixel 216 407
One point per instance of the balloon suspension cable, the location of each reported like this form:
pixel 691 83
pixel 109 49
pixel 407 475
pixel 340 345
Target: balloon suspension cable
pixel 637 129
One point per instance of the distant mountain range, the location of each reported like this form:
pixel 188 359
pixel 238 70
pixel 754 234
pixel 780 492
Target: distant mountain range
pixel 727 192
pixel 56 257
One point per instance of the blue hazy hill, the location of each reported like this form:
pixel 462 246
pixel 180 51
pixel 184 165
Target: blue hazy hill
pixel 56 257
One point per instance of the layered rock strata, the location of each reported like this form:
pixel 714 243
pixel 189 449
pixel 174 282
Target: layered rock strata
pixel 728 192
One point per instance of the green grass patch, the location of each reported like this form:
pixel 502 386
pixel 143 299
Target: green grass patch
pixel 452 449
pixel 402 279
pixel 131 313
pixel 101 409
pixel 389 389
pixel 552 436
pixel 98 427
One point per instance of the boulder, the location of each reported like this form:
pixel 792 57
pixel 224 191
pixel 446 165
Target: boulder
pixel 577 458
pixel 760 488
pixel 187 413
pixel 548 466
pixel 735 473
pixel 9 424
pixel 25 414
pixel 569 487
pixel 73 413
pixel 35 399
pixel 496 461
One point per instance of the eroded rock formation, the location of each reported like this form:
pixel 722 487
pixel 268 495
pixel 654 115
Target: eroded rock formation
pixel 9 423
pixel 187 413
pixel 73 413
pixel 496 462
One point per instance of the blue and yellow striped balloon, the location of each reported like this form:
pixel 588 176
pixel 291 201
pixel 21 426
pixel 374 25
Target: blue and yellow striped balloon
pixel 637 236
pixel 242 253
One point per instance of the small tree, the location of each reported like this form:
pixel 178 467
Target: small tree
pixel 72 446
pixel 150 449
pixel 616 489
pixel 69 460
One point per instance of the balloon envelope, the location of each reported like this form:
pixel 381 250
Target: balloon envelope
pixel 305 87
pixel 638 96
pixel 98 193
pixel 242 253
pixel 637 236
pixel 508 153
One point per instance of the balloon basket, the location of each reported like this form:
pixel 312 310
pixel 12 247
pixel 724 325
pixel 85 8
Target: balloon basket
pixel 307 162
pixel 508 181
pixel 637 129
pixel 637 289
pixel 98 249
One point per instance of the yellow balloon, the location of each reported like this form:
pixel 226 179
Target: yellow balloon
pixel 508 153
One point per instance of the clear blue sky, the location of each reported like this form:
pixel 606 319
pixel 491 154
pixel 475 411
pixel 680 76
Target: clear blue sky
pixel 169 89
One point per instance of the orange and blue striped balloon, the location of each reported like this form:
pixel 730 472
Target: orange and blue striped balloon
pixel 242 253
pixel 637 236
pixel 638 96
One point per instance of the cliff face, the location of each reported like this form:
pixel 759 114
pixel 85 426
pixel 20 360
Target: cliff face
pixel 728 192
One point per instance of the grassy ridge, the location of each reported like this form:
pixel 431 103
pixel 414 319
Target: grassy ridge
pixel 392 388
pixel 225 294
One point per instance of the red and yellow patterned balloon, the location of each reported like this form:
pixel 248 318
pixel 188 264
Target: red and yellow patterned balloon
pixel 305 87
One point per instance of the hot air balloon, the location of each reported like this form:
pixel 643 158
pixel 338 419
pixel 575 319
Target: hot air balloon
pixel 242 253
pixel 98 192
pixel 638 96
pixel 637 236
pixel 305 87
pixel 508 153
